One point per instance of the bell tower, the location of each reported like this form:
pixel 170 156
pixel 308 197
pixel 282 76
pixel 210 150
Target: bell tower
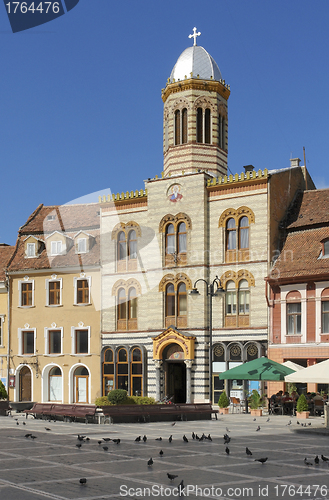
pixel 195 124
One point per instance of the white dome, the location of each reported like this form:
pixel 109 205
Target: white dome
pixel 197 61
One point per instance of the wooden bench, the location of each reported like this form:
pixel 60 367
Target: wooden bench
pixel 72 411
pixel 159 412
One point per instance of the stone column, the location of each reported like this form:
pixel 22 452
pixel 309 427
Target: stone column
pixel 157 363
pixel 188 363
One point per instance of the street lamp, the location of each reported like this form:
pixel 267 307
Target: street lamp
pixel 211 292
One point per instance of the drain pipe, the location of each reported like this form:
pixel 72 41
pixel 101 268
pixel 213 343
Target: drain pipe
pixel 8 329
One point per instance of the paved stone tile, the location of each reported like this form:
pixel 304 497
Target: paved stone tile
pixel 50 466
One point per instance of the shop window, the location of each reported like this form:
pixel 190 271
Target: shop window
pixel 55 384
pixel 108 371
pixel 122 369
pixel 136 372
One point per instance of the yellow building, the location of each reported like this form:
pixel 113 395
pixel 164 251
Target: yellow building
pixel 5 254
pixel 54 285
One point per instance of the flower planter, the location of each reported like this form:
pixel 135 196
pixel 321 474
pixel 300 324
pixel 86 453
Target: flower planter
pixel 303 414
pixel 224 411
pixel 256 413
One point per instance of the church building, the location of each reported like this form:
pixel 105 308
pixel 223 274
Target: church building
pixel 195 227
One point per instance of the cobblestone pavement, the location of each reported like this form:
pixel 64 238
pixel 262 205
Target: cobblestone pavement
pixel 51 466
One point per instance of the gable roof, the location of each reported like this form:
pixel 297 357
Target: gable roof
pixel 6 252
pixel 313 210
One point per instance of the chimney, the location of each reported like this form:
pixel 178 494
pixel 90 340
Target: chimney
pixel 294 162
pixel 248 168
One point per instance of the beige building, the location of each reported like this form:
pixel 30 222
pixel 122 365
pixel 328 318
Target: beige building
pixel 54 280
pixel 5 254
pixel 194 222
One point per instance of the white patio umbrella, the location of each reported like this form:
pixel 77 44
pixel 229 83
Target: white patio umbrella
pixel 293 366
pixel 317 374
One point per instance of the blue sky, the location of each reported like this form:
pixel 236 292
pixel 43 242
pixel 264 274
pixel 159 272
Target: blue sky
pixel 81 108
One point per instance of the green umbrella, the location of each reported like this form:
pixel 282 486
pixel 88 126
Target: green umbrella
pixel 258 369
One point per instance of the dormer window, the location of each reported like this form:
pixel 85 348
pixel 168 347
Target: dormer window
pixel 56 248
pixel 324 254
pixel 82 245
pixel 30 247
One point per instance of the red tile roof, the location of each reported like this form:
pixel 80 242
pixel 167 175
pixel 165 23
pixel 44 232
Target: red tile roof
pixel 6 252
pixel 300 255
pixel 314 210
pixel 69 219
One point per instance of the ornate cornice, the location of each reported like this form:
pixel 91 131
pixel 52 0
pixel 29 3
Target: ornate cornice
pixel 196 84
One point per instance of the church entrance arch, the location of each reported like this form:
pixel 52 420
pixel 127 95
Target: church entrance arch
pixel 175 373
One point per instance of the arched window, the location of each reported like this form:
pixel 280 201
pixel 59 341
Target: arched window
pixel 132 245
pixel 244 232
pixel 81 383
pixel 177 127
pixel 199 125
pixel 108 371
pixel 180 126
pixel 184 126
pixel 175 244
pixel 55 384
pixel 181 246
pixel 294 313
pixel 136 370
pixel 170 304
pixel 122 369
pixel 203 126
pixel 176 305
pixel 244 298
pixel 121 246
pixel 221 132
pixel 127 309
pixel 237 239
pixel 170 239
pixel 230 234
pixel 181 300
pixel 325 311
pixel 237 304
pixel 207 124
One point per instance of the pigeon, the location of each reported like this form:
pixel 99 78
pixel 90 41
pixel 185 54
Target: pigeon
pixel 248 451
pixel 254 420
pixel 209 437
pixel 227 440
pixel 99 442
pixel 158 439
pixel 83 480
pixel 306 462
pixel 138 439
pixel 28 435
pixel 106 440
pixel 289 423
pixel 185 439
pixel 78 445
pixel 261 460
pixel 17 423
pixel 227 429
pixel 174 423
pixel 160 453
pixel 116 441
pixel 193 435
pixel 171 476
pixel 268 419
pixel 325 459
pixel 227 450
pixel 181 488
pixel 258 428
pixel 310 423
pixel 144 438
pixel 170 439
pixel 316 460
pixel 197 437
pixel 33 437
pixel 81 438
pixel 105 448
pixel 47 429
pixel 87 439
pixel 297 423
pixel 24 423
pixel 150 462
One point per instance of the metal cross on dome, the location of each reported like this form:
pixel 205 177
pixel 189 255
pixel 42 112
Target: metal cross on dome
pixel 195 34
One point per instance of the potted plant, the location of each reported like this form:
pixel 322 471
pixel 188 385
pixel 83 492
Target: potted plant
pixel 302 407
pixel 255 404
pixel 224 403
